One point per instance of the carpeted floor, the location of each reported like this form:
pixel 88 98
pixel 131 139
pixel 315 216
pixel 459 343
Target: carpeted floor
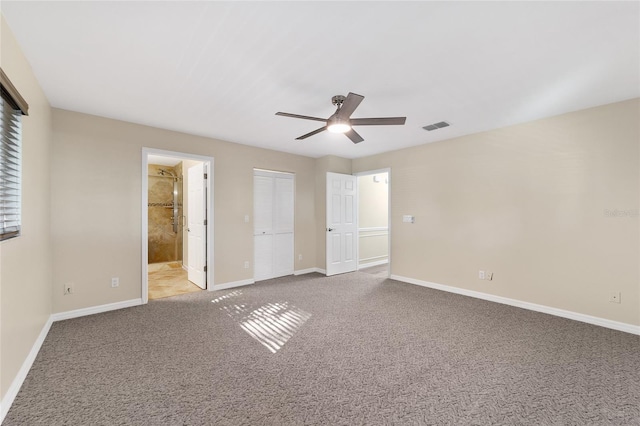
pixel 351 349
pixel 380 271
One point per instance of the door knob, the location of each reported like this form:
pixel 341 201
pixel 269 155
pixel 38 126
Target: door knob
pixel 329 229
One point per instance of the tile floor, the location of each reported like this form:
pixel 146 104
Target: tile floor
pixel 169 279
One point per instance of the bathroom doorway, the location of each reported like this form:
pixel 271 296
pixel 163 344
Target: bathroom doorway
pixel 175 239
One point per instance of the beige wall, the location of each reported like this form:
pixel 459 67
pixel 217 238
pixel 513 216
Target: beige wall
pixel 334 164
pixel 373 212
pixel 529 203
pixel 96 181
pixel 25 262
pixel 373 201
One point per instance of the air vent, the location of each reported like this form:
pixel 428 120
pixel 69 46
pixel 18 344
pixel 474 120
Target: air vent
pixel 436 126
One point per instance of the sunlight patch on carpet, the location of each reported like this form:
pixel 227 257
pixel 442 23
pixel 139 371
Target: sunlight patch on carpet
pixel 271 324
pixel 227 296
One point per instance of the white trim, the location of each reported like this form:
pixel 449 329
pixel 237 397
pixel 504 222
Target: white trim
pixel 373 172
pixel 321 271
pixel 374 257
pixel 374 228
pixel 209 167
pixel 373 235
pixel 270 173
pixel 376 263
pixel 16 384
pixel 602 322
pixel 231 284
pixel 308 271
pixel 60 316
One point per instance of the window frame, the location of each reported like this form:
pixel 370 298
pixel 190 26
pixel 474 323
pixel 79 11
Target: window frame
pixel 11 146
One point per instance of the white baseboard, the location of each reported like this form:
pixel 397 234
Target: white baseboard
pixel 602 322
pixel 16 384
pixel 231 284
pixel 95 309
pixel 370 264
pixel 309 271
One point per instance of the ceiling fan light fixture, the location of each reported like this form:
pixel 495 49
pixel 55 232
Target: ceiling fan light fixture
pixel 339 128
pixel 341 121
pixel 338 125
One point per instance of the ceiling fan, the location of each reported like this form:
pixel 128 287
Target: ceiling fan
pixel 341 121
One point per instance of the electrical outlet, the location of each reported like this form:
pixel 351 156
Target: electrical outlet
pixel 115 282
pixel 489 275
pixel 68 288
pixel 299 257
pixel 246 264
pixel 614 297
pixel 481 275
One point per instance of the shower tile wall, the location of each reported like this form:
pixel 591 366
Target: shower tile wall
pixel 164 244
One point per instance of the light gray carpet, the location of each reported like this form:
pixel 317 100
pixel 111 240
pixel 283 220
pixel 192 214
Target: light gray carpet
pixel 346 350
pixel 380 271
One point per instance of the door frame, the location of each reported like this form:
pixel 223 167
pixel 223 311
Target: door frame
pixel 208 164
pixel 370 173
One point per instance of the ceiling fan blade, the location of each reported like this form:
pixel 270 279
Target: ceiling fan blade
pixel 350 104
pixel 304 117
pixel 315 132
pixel 354 136
pixel 383 121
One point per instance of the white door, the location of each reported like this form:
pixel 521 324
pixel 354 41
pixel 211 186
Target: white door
pixel 196 226
pixel 262 226
pixel 273 207
pixel 283 226
pixel 342 225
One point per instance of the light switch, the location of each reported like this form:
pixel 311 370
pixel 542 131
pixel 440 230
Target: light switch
pixel 246 218
pixel 408 218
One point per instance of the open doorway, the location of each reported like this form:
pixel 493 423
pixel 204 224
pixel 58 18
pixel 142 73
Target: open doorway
pixel 177 205
pixel 373 223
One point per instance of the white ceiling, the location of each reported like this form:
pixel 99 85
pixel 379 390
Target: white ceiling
pixel 223 69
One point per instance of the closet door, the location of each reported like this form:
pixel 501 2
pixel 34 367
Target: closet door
pixel 273 224
pixel 283 227
pixel 262 226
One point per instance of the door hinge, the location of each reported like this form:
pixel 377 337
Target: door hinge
pixel 205 222
pixel 205 268
pixel 206 175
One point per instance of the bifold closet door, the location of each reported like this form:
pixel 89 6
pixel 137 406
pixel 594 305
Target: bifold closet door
pixel 273 224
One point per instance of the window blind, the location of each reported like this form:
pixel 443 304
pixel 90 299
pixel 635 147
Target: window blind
pixel 10 163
